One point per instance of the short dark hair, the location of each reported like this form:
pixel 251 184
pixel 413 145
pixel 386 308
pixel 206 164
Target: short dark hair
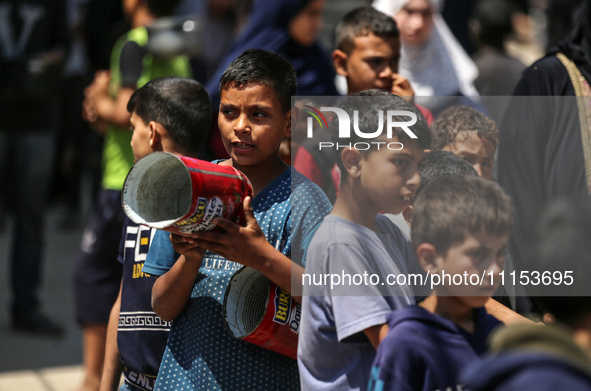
pixel 257 66
pixel 441 164
pixel 363 21
pixel 180 104
pixel 161 8
pixel 450 207
pixel 558 239
pixel 457 119
pixel 494 21
pixel 368 119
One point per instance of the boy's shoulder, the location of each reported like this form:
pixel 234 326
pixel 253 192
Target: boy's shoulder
pixel 409 323
pixel 342 230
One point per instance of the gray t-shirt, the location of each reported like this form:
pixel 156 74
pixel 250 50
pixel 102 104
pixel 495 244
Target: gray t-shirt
pixel 333 351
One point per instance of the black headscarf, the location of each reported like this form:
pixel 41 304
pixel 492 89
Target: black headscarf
pixel 577 45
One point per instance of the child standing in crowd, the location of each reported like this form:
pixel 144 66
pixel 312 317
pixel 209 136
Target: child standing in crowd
pixel 366 55
pixel 97 274
pixel 556 356
pixel 342 327
pixel 469 134
pixel 170 114
pixel 461 225
pixel 254 115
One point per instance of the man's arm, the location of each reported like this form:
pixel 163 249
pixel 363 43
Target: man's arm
pixel 112 366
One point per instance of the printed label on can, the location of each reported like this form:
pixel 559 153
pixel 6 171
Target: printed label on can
pixel 282 306
pixel 195 217
pixel 204 215
pixel 296 315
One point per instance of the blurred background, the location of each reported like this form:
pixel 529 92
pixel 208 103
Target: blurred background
pixel 29 362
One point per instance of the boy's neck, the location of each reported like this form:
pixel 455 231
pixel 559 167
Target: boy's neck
pixel 350 208
pixel 260 175
pixel 452 308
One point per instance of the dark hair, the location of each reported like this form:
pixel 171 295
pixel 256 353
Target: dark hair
pixel 161 8
pixel 368 104
pixel 450 207
pixel 440 164
pixel 493 21
pixel 179 104
pixel 558 240
pixel 257 66
pixel 457 119
pixel 362 22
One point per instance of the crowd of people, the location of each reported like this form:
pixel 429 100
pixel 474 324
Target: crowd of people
pixel 469 215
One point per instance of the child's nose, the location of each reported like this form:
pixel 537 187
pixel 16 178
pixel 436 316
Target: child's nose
pixel 414 181
pixel 478 168
pixel 242 124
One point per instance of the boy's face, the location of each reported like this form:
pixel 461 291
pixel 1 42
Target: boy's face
pixel 372 63
pixel 141 140
pixel 389 179
pixel 477 255
pixel 477 151
pixel 252 124
pixel 415 22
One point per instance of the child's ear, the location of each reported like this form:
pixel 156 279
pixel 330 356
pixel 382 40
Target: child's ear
pixel 339 59
pixel 351 159
pixel 426 255
pixel 156 135
pixel 407 214
pixel 293 116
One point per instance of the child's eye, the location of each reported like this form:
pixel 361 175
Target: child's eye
pixel 503 253
pixel 400 162
pixel 477 254
pixel 486 164
pixel 259 114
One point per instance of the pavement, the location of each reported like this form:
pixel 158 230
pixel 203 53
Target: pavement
pixel 29 363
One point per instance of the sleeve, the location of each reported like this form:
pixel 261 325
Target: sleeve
pixel 355 306
pixel 131 64
pixel 309 206
pixel 161 255
pixel 397 366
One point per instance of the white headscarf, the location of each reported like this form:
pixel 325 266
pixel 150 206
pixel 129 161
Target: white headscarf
pixel 440 66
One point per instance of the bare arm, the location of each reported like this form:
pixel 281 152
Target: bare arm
pixel 172 290
pixel 504 314
pixel 112 366
pixel 376 334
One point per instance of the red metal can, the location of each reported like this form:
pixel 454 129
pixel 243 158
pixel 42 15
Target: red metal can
pixel 258 311
pixel 182 195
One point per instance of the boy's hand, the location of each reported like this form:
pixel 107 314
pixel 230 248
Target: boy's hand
pixel 401 87
pixel 101 82
pixel 187 247
pixel 246 245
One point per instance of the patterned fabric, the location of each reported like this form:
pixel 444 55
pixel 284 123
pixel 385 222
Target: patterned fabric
pixel 201 353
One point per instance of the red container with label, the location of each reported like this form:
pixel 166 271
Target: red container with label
pixel 182 195
pixel 260 312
